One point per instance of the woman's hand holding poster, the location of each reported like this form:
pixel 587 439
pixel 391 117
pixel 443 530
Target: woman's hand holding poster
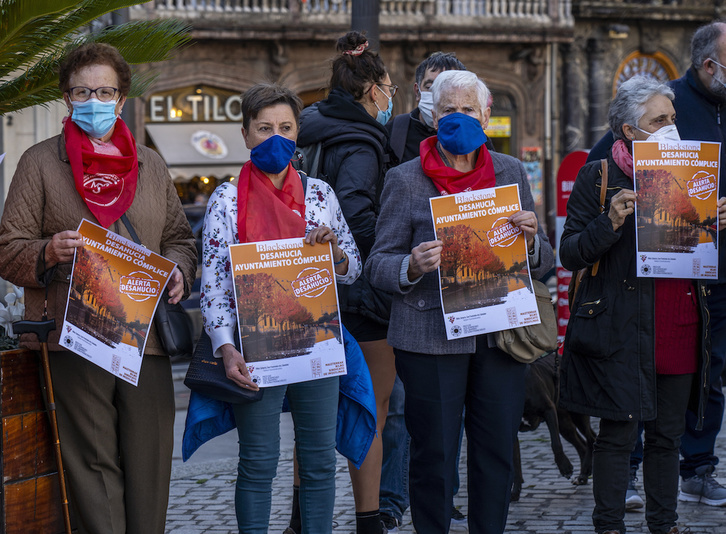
pixel 484 273
pixel 114 290
pixel 676 211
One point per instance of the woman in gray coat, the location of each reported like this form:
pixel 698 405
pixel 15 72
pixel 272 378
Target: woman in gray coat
pixel 442 377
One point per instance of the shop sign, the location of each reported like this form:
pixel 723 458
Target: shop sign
pixel 194 104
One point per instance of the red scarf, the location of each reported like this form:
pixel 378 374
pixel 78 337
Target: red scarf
pixel 623 158
pixel 448 180
pixel 265 212
pixel 106 183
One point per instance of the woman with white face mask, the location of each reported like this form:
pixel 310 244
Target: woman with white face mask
pixel 636 349
pixel 117 439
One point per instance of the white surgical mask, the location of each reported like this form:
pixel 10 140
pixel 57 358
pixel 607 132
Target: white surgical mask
pixel 666 133
pixel 426 106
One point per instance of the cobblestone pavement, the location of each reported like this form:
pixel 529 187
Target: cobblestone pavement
pixel 202 494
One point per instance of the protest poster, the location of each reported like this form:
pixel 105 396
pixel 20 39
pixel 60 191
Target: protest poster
pixel 114 290
pixel 287 310
pixel 484 274
pixel 676 209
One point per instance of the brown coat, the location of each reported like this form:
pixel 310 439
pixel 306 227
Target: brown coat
pixel 43 201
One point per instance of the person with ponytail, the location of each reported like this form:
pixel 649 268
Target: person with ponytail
pixel 116 438
pixel 350 125
pixel 442 377
pixel 270 201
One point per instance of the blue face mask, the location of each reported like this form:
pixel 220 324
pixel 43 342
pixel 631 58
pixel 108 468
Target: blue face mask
pixel 94 117
pixel 273 154
pixel 384 116
pixel 460 134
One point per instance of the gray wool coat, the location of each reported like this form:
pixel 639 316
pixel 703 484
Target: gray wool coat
pixel 417 321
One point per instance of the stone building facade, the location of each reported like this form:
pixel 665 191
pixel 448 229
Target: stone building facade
pixel 552 66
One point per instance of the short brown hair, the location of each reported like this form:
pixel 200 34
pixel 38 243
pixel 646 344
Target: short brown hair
pixel 352 72
pixel 263 95
pixel 95 54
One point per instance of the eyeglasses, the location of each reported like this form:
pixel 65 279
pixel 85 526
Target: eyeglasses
pixel 391 88
pixel 81 94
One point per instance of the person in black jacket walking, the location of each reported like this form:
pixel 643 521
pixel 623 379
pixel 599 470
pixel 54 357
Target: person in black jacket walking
pixel 635 347
pixel 350 124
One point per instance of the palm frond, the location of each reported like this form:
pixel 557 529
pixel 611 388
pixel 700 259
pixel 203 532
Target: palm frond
pixel 139 42
pixel 31 32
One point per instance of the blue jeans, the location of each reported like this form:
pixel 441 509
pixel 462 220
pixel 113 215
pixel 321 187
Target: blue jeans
pixel 314 407
pixel 611 460
pixel 491 386
pixel 393 496
pixel 697 446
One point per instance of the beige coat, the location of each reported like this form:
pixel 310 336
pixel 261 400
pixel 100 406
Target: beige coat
pixel 43 201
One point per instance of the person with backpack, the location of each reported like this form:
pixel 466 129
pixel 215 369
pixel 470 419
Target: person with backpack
pixel 347 132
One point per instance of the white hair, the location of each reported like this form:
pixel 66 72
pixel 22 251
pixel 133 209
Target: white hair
pixel 450 80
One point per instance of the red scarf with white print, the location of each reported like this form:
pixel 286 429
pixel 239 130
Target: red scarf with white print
pixel 106 182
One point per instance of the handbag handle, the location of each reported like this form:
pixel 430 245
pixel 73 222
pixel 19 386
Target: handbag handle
pixel 603 192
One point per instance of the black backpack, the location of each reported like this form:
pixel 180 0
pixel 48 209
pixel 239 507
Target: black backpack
pixel 311 158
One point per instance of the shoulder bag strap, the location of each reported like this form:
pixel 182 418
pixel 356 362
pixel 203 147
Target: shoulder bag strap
pixel 130 229
pixel 603 192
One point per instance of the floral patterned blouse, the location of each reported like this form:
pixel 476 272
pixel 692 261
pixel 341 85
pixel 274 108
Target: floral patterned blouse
pixel 220 230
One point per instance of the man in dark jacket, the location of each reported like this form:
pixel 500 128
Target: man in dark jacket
pixel 700 96
pixel 407 131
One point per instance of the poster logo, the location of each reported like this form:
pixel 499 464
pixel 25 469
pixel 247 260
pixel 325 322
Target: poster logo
pixel 702 185
pixel 643 257
pixel 138 286
pixel 311 282
pixel 503 233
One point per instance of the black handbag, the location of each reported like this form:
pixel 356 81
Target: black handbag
pixel 206 375
pixel 173 324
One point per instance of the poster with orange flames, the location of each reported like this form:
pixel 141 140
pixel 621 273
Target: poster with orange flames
pixel 676 209
pixel 484 273
pixel 114 289
pixel 287 310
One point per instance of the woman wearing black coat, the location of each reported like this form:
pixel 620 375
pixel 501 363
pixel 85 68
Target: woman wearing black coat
pixel 636 349
pixel 355 152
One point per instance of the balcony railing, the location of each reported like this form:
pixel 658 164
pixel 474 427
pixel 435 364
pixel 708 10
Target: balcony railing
pixel 649 9
pixel 392 11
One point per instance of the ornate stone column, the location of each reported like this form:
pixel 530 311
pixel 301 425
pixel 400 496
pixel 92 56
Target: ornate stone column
pixel 599 93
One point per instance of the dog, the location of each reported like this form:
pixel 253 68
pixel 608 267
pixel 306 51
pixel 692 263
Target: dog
pixel 542 385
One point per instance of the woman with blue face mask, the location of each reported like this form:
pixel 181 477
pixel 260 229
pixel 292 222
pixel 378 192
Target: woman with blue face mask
pixel 349 124
pixel 117 438
pixel 469 377
pixel 270 201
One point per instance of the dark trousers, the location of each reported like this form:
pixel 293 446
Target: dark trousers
pixel 116 441
pixel 697 446
pixel 490 384
pixel 611 460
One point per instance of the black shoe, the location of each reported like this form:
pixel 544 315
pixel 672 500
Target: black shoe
pixel 458 521
pixel 389 523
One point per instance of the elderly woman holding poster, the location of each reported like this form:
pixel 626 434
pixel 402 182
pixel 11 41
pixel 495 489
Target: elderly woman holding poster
pixel 442 377
pixel 269 201
pixel 636 349
pixel 117 439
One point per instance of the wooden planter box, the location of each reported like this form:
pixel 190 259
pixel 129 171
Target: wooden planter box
pixel 29 495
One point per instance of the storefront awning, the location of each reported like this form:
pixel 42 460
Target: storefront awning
pixel 200 148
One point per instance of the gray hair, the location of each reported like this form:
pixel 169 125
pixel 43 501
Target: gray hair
pixel 459 79
pixel 704 43
pixel 628 106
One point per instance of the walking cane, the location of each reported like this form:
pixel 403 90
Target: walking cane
pixel 42 328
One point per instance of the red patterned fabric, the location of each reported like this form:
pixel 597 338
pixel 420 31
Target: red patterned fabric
pixel 265 212
pixel 106 182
